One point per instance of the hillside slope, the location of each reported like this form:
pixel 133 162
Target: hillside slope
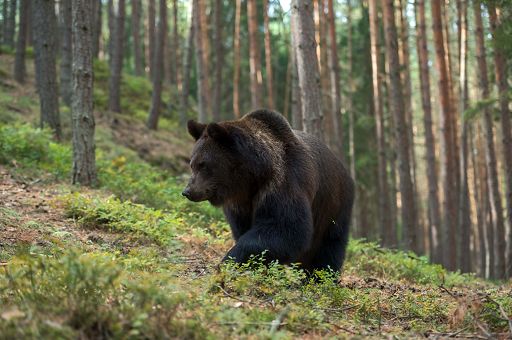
pixel 133 259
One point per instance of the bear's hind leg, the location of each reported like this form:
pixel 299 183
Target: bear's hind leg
pixel 331 252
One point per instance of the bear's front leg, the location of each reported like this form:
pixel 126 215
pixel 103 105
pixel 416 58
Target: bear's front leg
pixel 282 227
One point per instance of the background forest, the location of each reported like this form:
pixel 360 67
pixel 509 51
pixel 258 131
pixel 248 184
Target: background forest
pixel 414 96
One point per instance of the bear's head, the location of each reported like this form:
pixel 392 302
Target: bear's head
pixel 214 163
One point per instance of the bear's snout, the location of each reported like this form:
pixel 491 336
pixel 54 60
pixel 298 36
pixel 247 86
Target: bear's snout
pixel 186 192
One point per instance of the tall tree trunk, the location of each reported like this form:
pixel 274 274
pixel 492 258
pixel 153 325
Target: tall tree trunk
pixel 176 46
pixel 19 63
pixel 187 65
pixel 11 24
pixel 464 249
pixel 307 66
pixel 96 27
pixel 45 32
pixel 433 196
pixel 350 108
pixel 490 156
pixel 5 22
pixel 219 61
pixel 323 62
pixel 158 63
pixel 335 83
pixel 268 56
pixel 151 37
pixel 203 88
pixel 116 66
pixel 254 55
pixel 84 164
pixel 296 104
pixel 500 70
pixel 447 157
pixel 137 43
pixel 387 233
pixel 236 61
pixel 397 108
pixel 407 94
pixel 66 77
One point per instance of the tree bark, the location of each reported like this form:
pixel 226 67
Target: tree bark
pixel 203 88
pixel 397 108
pixel 464 232
pixel 447 157
pixel 176 46
pixel 116 66
pixel 307 66
pixel 335 92
pixel 499 245
pixel 151 37
pixel 97 25
pixel 254 56
pixel 236 60
pixel 84 164
pixel 296 104
pixel 268 57
pixel 66 77
pixel 137 43
pixel 5 22
pixel 11 24
pixel 500 70
pixel 156 98
pixel 336 104
pixel 45 47
pixel 189 50
pixel 219 61
pixel 433 196
pixel 19 63
pixel 387 234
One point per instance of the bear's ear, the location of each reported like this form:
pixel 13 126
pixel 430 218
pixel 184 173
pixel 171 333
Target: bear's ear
pixel 195 129
pixel 218 133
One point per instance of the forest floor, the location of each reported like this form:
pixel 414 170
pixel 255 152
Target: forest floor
pixel 133 259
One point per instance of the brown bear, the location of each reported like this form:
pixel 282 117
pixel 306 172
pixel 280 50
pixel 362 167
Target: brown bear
pixel 282 190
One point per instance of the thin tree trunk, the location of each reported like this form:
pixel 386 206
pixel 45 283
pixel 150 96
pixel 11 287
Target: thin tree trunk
pixel 219 61
pixel 307 66
pixel 433 196
pixel 84 164
pixel 96 28
pixel 11 24
pixel 500 70
pixel 492 172
pixel 156 98
pixel 447 157
pixel 464 249
pixel 254 56
pixel 66 77
pixel 296 104
pixel 187 65
pixel 236 62
pixel 407 94
pixel 335 87
pixel 386 229
pixel 350 108
pixel 5 22
pixel 114 82
pixel 397 108
pixel 19 63
pixel 268 56
pixel 203 88
pixel 45 31
pixel 151 37
pixel 176 46
pixel 137 43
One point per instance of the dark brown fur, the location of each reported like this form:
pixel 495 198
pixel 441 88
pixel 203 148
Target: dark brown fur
pixel 282 191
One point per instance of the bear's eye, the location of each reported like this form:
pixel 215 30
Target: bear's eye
pixel 201 165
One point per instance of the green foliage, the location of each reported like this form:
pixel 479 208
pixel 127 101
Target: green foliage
pixel 125 217
pixel 73 295
pixel 369 259
pixel 24 144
